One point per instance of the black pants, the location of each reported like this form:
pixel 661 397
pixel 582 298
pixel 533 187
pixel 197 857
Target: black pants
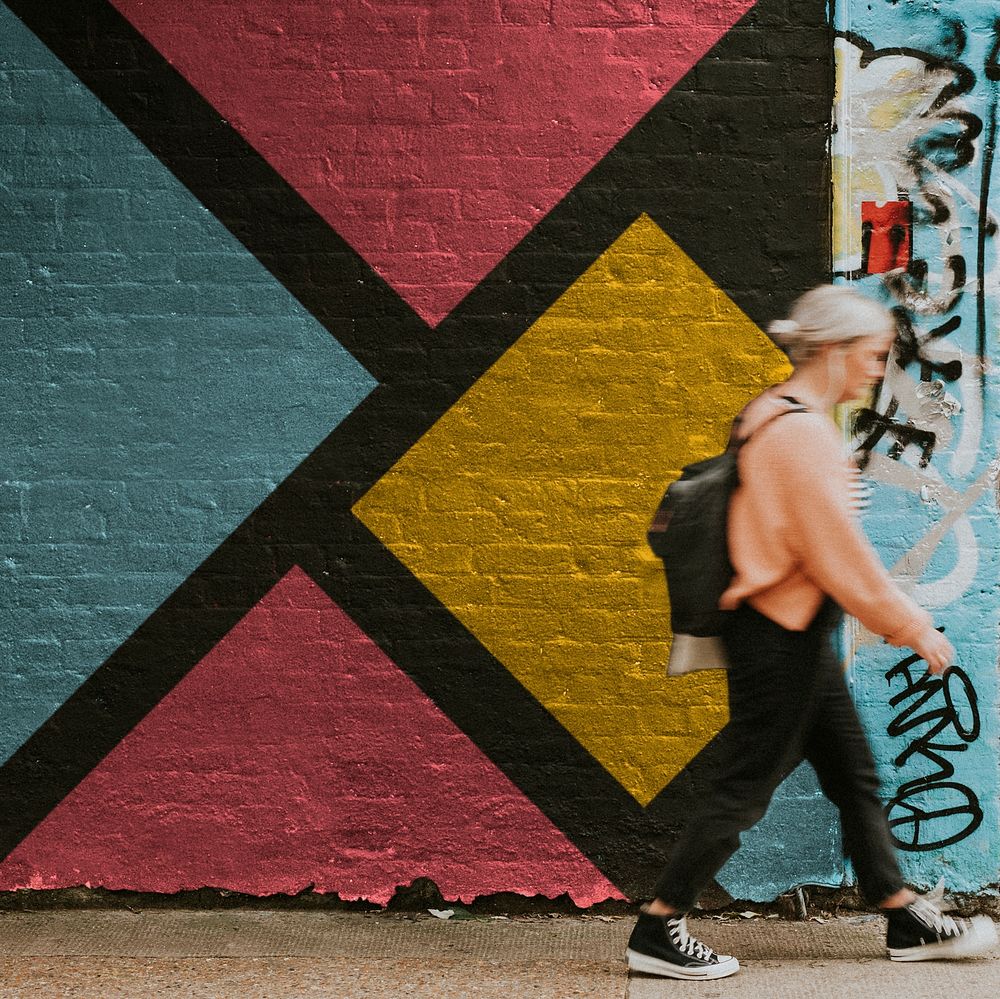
pixel 788 701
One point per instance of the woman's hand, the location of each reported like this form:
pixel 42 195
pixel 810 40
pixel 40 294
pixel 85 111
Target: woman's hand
pixel 936 650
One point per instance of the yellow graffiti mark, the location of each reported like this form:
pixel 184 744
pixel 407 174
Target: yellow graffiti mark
pixel 852 184
pixel 846 238
pixel 900 107
pixel 524 508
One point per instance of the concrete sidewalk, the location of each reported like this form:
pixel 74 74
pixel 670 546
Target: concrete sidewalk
pixel 102 954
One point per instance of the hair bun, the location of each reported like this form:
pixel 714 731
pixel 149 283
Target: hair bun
pixel 782 328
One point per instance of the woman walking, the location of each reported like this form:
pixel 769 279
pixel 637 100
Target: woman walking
pixel 800 560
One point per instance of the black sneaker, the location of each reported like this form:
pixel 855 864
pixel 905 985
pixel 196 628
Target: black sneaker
pixel 661 945
pixel 920 931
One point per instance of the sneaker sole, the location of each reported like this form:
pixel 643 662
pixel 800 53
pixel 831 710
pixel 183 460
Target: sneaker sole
pixel 654 966
pixel 980 939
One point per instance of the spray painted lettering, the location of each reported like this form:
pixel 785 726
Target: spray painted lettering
pixel 939 715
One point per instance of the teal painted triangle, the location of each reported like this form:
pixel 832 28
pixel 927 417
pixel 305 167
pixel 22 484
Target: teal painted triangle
pixel 156 383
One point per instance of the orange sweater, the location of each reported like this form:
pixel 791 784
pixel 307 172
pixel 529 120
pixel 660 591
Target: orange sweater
pixel 793 536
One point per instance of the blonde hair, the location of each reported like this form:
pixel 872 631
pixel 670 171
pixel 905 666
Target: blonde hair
pixel 831 313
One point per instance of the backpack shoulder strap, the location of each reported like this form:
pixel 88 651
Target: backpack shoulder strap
pixel 736 442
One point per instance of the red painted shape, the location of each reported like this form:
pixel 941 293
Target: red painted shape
pixel 888 229
pixel 297 753
pixel 433 135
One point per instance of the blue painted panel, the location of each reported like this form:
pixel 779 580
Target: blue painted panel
pixel 916 124
pixel 157 383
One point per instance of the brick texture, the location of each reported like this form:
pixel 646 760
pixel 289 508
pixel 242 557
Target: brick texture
pixel 261 260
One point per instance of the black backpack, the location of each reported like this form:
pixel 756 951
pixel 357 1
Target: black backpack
pixel 689 533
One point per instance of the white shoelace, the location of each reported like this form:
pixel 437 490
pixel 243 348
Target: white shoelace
pixel 686 943
pixel 932 916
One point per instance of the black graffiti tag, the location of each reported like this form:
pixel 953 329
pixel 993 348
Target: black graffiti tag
pixel 910 347
pixel 872 426
pixel 927 810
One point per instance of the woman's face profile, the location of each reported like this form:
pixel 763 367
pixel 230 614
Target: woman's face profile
pixel 864 363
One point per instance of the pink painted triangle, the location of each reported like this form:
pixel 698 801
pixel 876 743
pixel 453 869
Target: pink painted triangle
pixel 433 136
pixel 297 753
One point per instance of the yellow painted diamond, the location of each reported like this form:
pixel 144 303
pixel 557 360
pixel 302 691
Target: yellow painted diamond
pixel 524 508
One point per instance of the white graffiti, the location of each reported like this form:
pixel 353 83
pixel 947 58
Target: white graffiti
pixel 888 109
pixel 892 109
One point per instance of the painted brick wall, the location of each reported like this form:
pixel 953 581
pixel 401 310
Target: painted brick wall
pixel 347 351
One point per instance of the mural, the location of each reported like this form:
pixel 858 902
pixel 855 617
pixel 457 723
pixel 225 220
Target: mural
pixel 913 158
pixel 347 354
